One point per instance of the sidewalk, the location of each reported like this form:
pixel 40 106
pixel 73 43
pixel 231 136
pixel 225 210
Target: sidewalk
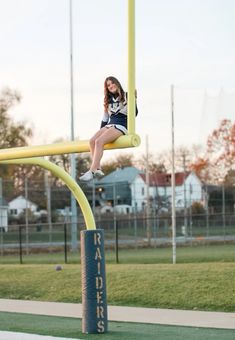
pixel 25 336
pixel 127 314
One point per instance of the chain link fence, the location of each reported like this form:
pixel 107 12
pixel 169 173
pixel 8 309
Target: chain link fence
pixel 129 220
pixel 122 231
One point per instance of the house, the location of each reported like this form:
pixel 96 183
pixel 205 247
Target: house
pixel 128 187
pixel 188 188
pixel 19 204
pixel 123 186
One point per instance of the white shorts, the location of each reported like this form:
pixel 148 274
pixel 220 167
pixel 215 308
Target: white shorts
pixel 118 127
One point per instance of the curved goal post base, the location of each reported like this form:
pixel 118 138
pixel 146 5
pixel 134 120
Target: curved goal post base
pixel 94 301
pixel 67 179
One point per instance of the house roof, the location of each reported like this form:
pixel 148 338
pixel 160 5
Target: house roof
pixel 163 179
pixel 127 174
pixel 21 197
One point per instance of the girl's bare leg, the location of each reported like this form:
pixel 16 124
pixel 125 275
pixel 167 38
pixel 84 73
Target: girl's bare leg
pixel 93 139
pixel 107 136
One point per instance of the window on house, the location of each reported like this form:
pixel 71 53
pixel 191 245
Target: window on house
pixel 168 178
pixel 13 211
pixel 191 188
pixel 142 191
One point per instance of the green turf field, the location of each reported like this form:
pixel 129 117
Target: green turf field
pixel 71 327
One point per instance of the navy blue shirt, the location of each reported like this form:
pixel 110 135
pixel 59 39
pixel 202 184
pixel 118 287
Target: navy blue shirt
pixel 117 112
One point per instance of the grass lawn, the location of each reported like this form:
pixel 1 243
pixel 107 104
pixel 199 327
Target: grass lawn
pixel 202 279
pixel 203 286
pixel 71 327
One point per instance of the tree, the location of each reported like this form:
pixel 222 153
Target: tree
pixel 197 208
pixel 12 134
pixel 201 168
pixel 184 157
pixel 221 148
pixel 121 161
pixel 83 162
pixel 230 179
pixel 153 165
pixel 219 157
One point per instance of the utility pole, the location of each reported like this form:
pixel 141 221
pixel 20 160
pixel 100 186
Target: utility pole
pixel 72 156
pixel 93 196
pixel 190 214
pixel 48 204
pixel 223 210
pixel 147 193
pixel 1 197
pixel 173 215
pixel 207 210
pixel 26 189
pixel 185 199
pixel 2 226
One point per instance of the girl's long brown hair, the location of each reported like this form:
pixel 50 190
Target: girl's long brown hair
pixel 107 94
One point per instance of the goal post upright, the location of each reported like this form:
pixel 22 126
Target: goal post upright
pixel 131 67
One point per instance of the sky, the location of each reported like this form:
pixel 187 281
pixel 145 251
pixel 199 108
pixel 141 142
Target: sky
pixel 185 43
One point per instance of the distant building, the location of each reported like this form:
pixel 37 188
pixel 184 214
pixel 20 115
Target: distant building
pixel 123 187
pixel 128 187
pixel 188 188
pixel 19 204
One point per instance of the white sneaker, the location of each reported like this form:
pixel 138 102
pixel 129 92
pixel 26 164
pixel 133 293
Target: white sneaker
pixel 98 173
pixel 88 176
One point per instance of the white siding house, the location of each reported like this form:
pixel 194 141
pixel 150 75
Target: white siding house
pixel 130 188
pixel 19 205
pixel 138 193
pixel 188 188
pixel 192 187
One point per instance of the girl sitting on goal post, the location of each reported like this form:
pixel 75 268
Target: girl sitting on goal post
pixel 113 125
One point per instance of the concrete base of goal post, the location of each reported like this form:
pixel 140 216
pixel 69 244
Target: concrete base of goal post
pixel 94 300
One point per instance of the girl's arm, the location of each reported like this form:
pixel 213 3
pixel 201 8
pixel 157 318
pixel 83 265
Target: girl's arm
pixel 105 119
